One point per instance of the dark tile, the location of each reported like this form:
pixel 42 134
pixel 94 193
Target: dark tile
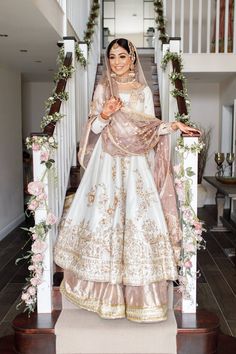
pixel 232 325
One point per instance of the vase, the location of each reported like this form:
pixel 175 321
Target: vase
pixel 201 195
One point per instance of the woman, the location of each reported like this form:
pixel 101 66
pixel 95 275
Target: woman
pixel 119 242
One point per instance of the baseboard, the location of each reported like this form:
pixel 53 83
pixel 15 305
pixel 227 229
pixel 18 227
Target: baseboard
pixel 11 226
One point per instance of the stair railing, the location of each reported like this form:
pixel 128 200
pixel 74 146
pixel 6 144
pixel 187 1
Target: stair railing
pixel 171 108
pixel 203 25
pixel 55 179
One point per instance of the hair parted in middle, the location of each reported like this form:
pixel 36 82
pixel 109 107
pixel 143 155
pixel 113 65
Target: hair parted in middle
pixel 126 44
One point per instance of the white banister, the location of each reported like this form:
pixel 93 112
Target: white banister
pixel 191 26
pixel 200 26
pixel 208 25
pixel 191 161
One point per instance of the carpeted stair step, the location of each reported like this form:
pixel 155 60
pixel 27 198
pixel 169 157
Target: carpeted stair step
pixel 84 332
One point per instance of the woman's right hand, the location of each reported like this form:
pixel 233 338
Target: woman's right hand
pixel 111 106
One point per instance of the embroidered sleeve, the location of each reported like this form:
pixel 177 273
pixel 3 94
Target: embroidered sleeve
pixel 165 128
pixel 148 102
pixel 96 109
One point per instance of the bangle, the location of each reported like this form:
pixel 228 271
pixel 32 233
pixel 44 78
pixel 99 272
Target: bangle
pixel 104 116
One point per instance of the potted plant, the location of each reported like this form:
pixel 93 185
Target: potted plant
pixel 202 159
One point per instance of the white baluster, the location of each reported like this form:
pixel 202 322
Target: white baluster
pixel 182 24
pixel 189 305
pixel 165 87
pixel 200 26
pixel 217 26
pixel 191 26
pixel 226 29
pixel 234 39
pixel 82 92
pixel 173 19
pixel 208 25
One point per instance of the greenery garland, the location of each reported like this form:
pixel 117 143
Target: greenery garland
pixel 160 20
pixel 94 12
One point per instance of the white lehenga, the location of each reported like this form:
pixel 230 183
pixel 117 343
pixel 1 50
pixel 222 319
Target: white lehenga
pixel 114 243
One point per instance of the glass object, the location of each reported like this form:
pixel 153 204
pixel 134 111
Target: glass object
pixel 219 159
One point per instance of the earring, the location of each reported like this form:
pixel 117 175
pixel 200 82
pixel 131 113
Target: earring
pixel 113 74
pixel 131 73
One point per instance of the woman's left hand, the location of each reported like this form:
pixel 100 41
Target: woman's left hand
pixel 185 128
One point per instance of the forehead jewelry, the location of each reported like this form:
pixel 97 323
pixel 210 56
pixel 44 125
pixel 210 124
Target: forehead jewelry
pixel 115 45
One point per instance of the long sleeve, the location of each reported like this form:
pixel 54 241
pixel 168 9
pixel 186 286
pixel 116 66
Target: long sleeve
pixel 96 109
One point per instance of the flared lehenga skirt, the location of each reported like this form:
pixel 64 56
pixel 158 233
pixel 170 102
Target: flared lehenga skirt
pixel 114 243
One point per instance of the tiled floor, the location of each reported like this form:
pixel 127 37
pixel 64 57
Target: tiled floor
pixel 216 286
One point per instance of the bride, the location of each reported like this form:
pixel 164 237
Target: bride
pixel 119 243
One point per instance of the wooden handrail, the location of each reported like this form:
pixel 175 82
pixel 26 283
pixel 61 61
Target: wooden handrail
pixel 181 103
pixel 61 86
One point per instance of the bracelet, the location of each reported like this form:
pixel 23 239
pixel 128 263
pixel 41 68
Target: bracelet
pixel 104 116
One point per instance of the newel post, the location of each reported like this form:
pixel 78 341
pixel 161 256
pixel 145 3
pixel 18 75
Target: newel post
pixel 44 290
pixel 191 162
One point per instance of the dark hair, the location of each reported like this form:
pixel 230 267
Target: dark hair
pixel 122 42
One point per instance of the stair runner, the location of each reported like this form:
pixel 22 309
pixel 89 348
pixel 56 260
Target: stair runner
pixel 81 332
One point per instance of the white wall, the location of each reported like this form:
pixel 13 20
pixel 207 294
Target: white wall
pixel 11 176
pixel 205 110
pixel 34 95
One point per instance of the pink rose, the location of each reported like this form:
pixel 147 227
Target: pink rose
pixel 35 188
pixel 31 291
pixel 42 196
pixel 190 248
pixel 51 219
pixel 39 246
pixel 198 225
pixel 35 147
pixel 177 169
pixel 37 258
pixel 31 267
pixel 188 264
pixel 25 296
pixel 44 156
pixel 33 205
pixel 34 236
pixel 35 281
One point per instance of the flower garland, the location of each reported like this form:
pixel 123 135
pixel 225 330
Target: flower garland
pixel 192 226
pixel 46 145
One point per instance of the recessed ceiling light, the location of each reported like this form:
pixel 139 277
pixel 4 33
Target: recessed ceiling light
pixel 3 35
pixel 23 50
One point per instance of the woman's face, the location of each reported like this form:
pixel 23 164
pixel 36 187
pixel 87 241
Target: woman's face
pixel 120 61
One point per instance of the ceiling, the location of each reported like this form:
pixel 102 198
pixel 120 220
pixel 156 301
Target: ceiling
pixel 27 29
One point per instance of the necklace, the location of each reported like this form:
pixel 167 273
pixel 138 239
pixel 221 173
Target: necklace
pixel 124 80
